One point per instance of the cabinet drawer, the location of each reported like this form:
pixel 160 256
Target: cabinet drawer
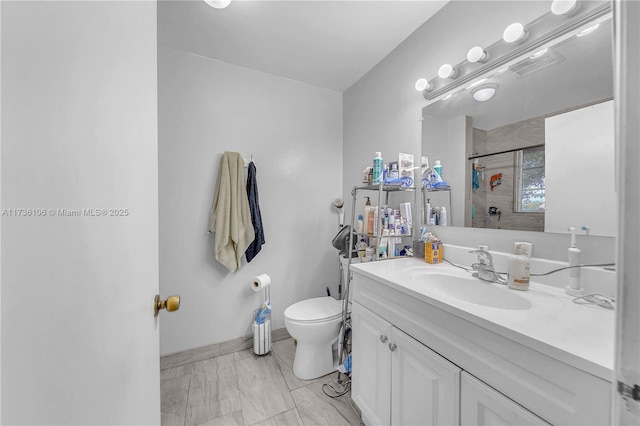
pixel 482 405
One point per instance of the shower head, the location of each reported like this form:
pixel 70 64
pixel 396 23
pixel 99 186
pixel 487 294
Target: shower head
pixel 338 203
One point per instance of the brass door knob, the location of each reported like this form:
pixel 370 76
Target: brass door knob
pixel 171 304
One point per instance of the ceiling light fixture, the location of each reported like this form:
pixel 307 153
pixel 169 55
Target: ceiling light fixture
pixel 218 4
pixel 484 93
pixel 477 83
pixel 422 85
pixel 563 7
pixel 588 30
pixel 539 53
pixel 476 54
pixel 446 71
pixel 501 71
pixel 514 32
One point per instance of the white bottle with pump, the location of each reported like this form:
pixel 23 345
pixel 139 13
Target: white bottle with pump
pixel 573 289
pixel 518 277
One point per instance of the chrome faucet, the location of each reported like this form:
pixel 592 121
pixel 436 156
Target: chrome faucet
pixel 484 268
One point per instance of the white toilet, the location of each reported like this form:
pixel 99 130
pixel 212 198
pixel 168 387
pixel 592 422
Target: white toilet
pixel 315 324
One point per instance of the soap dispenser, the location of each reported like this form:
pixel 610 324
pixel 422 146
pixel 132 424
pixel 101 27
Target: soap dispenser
pixel 518 277
pixel 573 289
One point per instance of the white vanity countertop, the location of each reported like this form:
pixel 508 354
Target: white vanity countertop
pixel 549 322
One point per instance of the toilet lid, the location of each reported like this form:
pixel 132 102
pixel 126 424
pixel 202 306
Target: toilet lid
pixel 318 308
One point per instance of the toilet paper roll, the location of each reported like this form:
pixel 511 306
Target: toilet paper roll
pixel 260 282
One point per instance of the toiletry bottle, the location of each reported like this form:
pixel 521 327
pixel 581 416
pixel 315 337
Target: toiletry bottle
pixel 365 216
pixel 394 173
pixel 360 225
pixel 371 221
pixel 383 243
pixel 573 289
pixel 438 169
pixel 443 216
pixel 518 277
pixel 378 168
pixel 391 245
pixel 428 212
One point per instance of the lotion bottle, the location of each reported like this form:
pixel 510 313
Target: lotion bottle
pixel 573 289
pixel 518 277
pixel 365 216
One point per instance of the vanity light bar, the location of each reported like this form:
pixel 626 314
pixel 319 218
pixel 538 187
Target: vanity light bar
pixel 535 36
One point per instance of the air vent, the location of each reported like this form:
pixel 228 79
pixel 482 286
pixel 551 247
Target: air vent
pixel 530 65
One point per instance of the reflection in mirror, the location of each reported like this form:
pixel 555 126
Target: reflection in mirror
pixel 539 154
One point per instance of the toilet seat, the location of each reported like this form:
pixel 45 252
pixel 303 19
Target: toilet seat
pixel 318 309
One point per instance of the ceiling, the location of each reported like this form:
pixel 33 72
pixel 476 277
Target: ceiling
pixel 329 44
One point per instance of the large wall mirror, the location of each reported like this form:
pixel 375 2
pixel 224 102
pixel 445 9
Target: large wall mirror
pixel 539 154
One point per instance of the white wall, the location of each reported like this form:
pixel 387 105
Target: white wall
pixel 382 110
pixel 294 132
pixel 79 96
pixel 582 191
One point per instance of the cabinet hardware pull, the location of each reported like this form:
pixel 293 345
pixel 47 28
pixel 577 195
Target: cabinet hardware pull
pixel 383 338
pixel 392 347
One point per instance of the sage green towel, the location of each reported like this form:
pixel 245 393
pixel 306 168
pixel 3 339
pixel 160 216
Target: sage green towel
pixel 230 214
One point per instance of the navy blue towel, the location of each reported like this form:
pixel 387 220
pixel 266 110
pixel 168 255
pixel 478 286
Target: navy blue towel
pixel 256 217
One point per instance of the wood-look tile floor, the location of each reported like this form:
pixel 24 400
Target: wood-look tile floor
pixel 242 389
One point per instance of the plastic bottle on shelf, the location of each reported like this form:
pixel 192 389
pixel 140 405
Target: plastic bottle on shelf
pixel 391 244
pixel 438 169
pixel 370 222
pixel 365 216
pixel 378 168
pixel 360 225
pixel 443 216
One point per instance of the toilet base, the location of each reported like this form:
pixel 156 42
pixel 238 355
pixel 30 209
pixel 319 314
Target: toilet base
pixel 314 360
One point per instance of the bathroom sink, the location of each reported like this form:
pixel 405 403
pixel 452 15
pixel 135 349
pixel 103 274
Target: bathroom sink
pixel 470 289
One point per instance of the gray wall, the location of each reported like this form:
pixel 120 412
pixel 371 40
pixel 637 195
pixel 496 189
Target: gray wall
pixel 294 132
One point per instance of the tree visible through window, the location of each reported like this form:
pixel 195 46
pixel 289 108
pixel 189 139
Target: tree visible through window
pixel 530 189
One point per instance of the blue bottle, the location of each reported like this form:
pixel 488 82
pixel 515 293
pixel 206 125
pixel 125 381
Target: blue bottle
pixel 378 167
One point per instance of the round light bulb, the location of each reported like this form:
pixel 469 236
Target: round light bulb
pixel 563 7
pixel 422 85
pixel 588 30
pixel 483 94
pixel 446 71
pixel 218 4
pixel 514 32
pixel 476 54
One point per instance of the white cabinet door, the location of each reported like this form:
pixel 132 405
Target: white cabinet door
pixel 483 405
pixel 425 387
pixel 371 373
